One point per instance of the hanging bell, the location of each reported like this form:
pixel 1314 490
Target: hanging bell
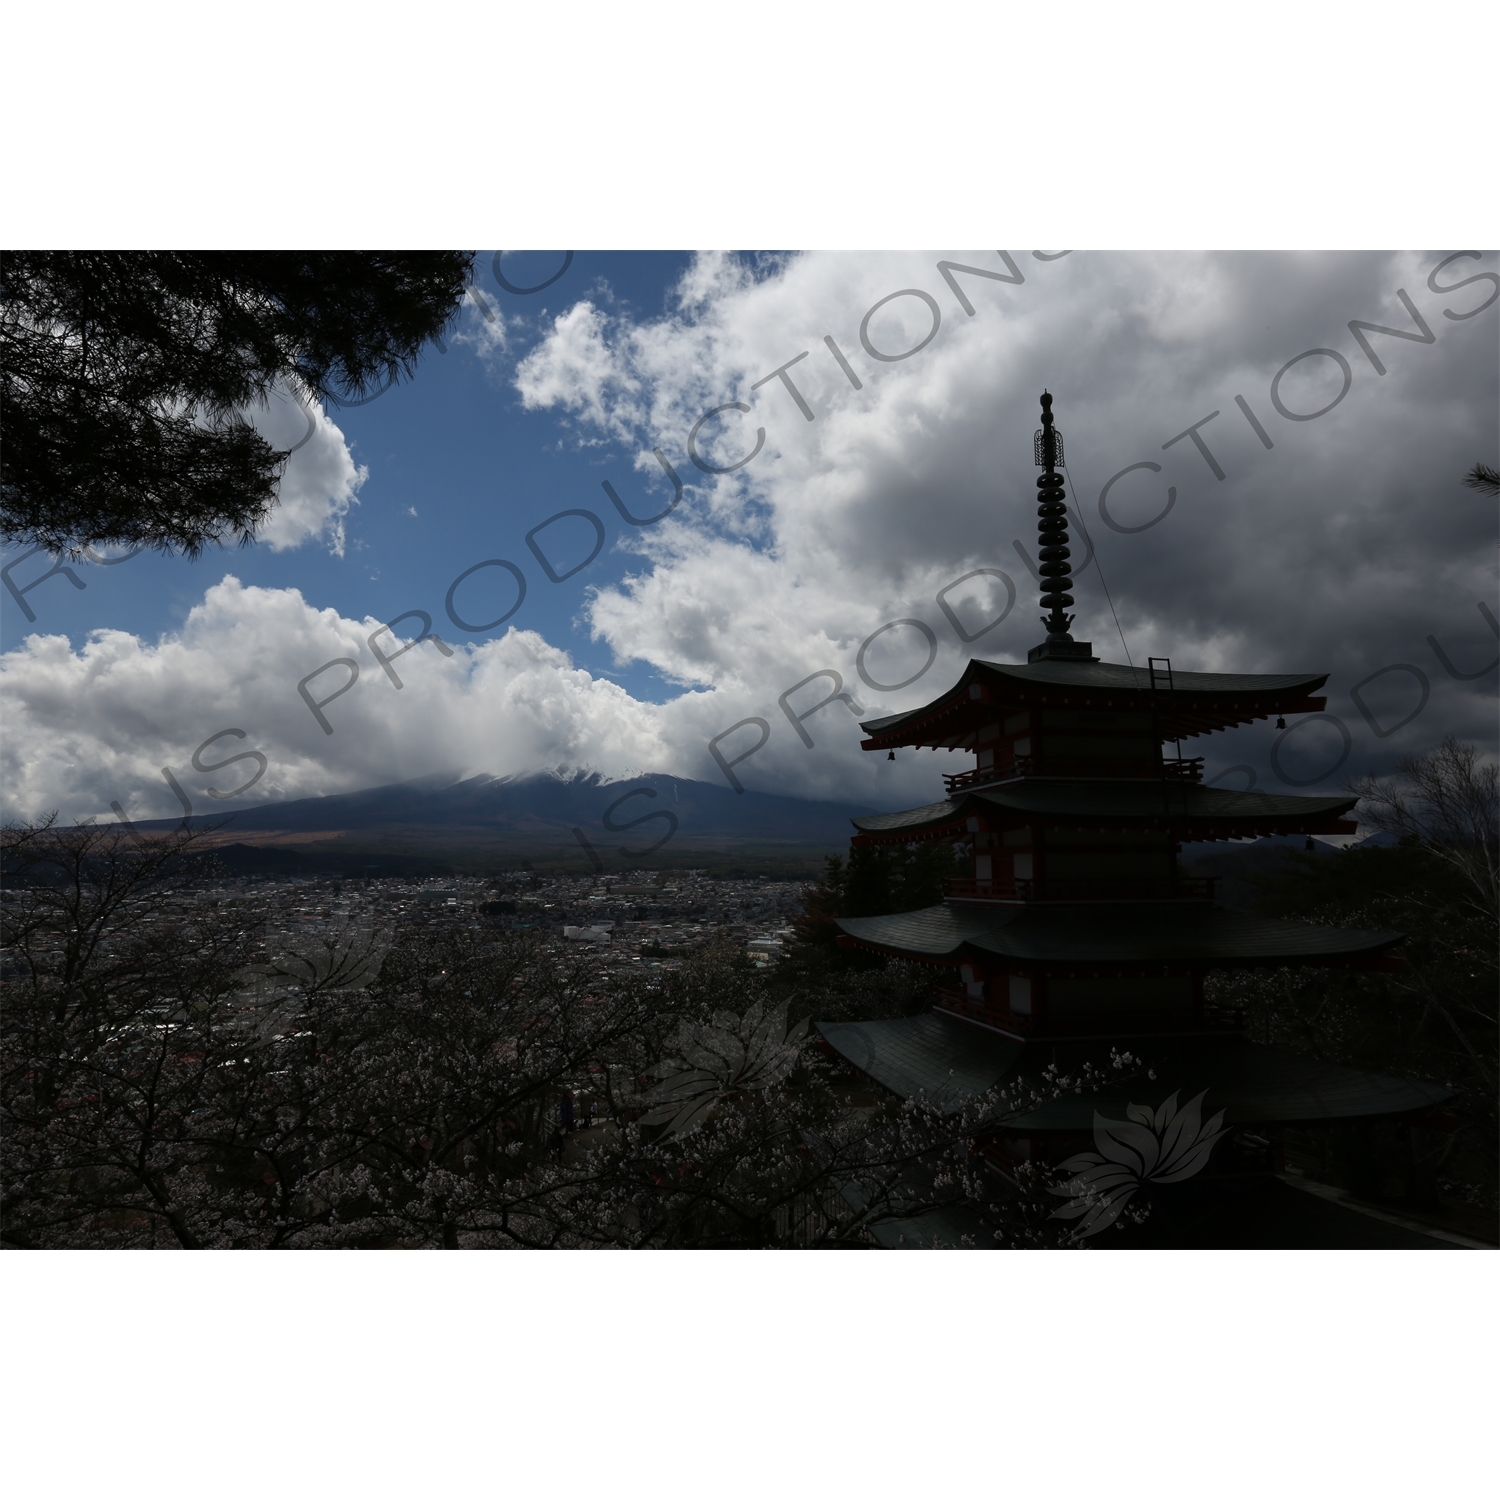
pixel 1281 721
pixel 891 755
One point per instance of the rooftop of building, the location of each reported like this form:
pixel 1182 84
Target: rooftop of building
pixel 1107 933
pixel 952 1063
pixel 1197 812
pixel 1185 704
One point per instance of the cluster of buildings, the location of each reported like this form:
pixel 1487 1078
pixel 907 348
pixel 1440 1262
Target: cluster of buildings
pixel 637 920
pixel 640 921
pixel 648 921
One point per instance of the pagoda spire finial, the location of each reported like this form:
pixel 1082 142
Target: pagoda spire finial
pixel 1054 569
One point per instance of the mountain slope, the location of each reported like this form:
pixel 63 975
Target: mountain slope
pixel 581 818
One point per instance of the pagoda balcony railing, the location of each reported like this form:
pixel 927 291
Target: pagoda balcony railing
pixel 999 1017
pixel 1184 888
pixel 956 1002
pixel 1184 770
pixel 1190 771
pixel 979 776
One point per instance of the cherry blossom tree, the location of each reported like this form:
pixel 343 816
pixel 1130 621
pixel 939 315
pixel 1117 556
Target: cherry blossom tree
pixel 168 1082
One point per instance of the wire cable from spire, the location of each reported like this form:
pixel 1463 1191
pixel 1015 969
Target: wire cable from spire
pixel 1094 555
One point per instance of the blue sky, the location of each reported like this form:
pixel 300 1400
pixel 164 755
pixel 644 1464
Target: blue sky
pixel 453 445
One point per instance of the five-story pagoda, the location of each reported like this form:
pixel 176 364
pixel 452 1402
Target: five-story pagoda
pixel 1075 934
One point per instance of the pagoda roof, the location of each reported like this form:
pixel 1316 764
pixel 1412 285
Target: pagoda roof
pixel 1104 933
pixel 1200 811
pixel 953 1062
pixel 1195 703
pixel 932 816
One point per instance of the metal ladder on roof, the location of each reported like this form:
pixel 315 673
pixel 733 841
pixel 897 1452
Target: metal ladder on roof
pixel 1159 679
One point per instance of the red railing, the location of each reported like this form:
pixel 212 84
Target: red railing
pixel 1190 771
pixel 1184 888
pixel 979 776
pixel 959 1003
pixel 988 1013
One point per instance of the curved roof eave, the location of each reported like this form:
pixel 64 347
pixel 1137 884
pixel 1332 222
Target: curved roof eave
pixel 1187 689
pixel 951 1063
pixel 1091 935
pixel 1112 801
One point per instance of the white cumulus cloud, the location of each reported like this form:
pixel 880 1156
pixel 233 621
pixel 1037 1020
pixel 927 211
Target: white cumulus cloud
pixel 89 727
pixel 320 481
